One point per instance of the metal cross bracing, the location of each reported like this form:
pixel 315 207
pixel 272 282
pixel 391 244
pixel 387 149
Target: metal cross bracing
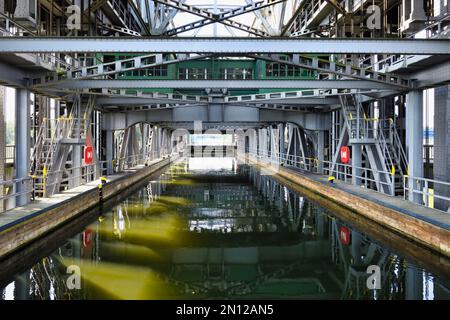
pixel 121 30
pixel 223 17
pixel 307 32
pixel 159 16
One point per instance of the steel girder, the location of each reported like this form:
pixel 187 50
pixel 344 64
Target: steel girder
pixel 242 46
pixel 129 101
pixel 220 84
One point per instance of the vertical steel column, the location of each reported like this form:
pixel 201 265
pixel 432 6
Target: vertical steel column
pixel 356 162
pixel 413 283
pixel 22 137
pixel 144 137
pixel 76 148
pixel 320 150
pixel 77 163
pixel 282 146
pixel 157 149
pixel 414 142
pixel 441 148
pixel 109 151
pixel 2 140
pixel 22 286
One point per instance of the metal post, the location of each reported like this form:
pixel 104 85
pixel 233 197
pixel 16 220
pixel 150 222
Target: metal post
pixel 76 151
pixel 109 151
pixel 441 165
pixel 356 164
pixel 282 147
pixel 23 136
pixel 414 141
pixel 413 283
pixel 320 151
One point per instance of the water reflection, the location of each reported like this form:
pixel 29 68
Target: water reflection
pixel 216 228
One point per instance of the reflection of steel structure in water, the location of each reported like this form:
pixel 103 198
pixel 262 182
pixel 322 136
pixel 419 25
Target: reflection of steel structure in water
pixel 354 260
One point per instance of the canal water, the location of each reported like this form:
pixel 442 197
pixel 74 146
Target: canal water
pixel 214 228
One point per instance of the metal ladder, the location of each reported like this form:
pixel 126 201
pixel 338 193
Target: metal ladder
pixel 382 143
pixel 50 153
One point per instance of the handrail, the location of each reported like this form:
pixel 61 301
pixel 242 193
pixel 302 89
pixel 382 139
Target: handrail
pixel 88 173
pixel 339 171
pixel 421 186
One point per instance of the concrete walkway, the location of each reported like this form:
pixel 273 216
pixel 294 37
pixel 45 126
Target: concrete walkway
pixel 433 216
pixel 20 214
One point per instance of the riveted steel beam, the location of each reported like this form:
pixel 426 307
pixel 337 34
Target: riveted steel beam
pixel 242 46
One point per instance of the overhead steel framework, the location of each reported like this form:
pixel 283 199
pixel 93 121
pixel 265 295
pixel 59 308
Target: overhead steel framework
pixel 219 84
pixel 224 45
pixel 302 79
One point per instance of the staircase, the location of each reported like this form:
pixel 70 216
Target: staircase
pixel 382 144
pixel 54 142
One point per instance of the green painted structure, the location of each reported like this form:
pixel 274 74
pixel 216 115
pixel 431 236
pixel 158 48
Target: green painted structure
pixel 216 69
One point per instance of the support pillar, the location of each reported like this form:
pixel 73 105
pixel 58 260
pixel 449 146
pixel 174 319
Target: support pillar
pixel 77 163
pixel 2 140
pixel 282 147
pixel 413 283
pixel 77 159
pixel 441 165
pixel 109 152
pixel 414 141
pixel 356 162
pixel 320 150
pixel 144 137
pixel 22 137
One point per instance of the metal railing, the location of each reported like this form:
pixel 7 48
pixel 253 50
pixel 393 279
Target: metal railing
pixel 71 178
pixel 8 187
pixel 362 176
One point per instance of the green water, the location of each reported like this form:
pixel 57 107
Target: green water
pixel 216 228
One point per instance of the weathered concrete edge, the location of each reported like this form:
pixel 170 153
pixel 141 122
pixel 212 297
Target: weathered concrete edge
pixel 35 225
pixel 430 235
